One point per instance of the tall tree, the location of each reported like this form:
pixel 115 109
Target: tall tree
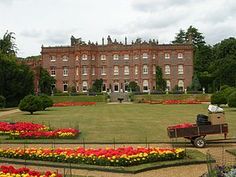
pixel 180 37
pixel 195 86
pixel 193 34
pixel 45 81
pixel 7 44
pixel 160 82
pixel 224 67
pixel 16 80
pixel 97 85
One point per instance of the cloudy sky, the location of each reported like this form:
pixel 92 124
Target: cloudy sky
pixel 52 22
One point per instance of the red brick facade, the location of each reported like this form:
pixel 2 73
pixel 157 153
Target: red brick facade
pixel 117 64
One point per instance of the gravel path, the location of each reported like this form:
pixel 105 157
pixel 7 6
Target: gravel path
pixel 5 113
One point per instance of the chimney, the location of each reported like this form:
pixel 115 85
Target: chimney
pixel 103 41
pixel 125 40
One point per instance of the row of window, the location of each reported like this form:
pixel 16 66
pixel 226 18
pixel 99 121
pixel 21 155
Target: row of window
pixel 116 86
pixel 116 57
pixel 116 70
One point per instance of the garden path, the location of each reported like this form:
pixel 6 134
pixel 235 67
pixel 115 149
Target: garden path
pixel 5 113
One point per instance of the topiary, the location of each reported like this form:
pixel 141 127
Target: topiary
pixel 31 104
pixel 232 100
pixel 218 98
pixel 46 101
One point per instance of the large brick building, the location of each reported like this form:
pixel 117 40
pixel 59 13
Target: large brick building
pixel 117 63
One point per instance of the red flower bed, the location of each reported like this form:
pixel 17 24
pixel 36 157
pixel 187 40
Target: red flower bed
pixel 58 133
pixel 6 127
pixel 62 104
pixel 20 130
pixel 25 172
pixel 181 102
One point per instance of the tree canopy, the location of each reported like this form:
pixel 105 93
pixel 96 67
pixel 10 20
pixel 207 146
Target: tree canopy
pixel 16 80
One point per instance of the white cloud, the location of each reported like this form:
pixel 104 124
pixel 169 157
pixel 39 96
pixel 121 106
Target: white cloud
pixel 52 22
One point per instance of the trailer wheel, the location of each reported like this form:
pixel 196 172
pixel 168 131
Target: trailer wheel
pixel 199 142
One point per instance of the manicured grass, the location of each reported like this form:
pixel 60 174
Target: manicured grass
pixel 80 98
pixel 160 97
pixel 121 122
pixel 192 157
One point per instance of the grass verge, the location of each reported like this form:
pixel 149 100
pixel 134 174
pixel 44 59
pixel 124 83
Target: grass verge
pixel 192 157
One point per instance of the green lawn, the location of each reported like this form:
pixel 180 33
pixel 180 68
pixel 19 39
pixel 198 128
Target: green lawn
pixel 124 122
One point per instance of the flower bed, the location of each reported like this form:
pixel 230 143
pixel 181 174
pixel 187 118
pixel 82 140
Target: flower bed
pixel 106 157
pixel 10 171
pixel 58 133
pixel 181 102
pixel 28 130
pixel 62 104
pixel 6 127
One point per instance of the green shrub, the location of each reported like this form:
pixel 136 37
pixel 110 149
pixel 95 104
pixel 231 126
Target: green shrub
pixel 31 104
pixel 232 100
pixel 2 101
pixel 46 101
pixel 224 87
pixel 218 98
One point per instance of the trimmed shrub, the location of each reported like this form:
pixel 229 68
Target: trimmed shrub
pixel 2 101
pixel 232 100
pixel 46 101
pixel 218 98
pixel 31 104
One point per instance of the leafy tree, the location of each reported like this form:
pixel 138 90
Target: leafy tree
pixel 180 37
pixel 46 101
pixel 224 67
pixel 133 86
pixel 203 57
pixel 45 81
pixel 2 101
pixel 97 85
pixel 218 98
pixel 7 45
pixel 191 33
pixel 195 86
pixel 232 99
pixel 16 81
pixel 196 37
pixel 31 104
pixel 160 82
